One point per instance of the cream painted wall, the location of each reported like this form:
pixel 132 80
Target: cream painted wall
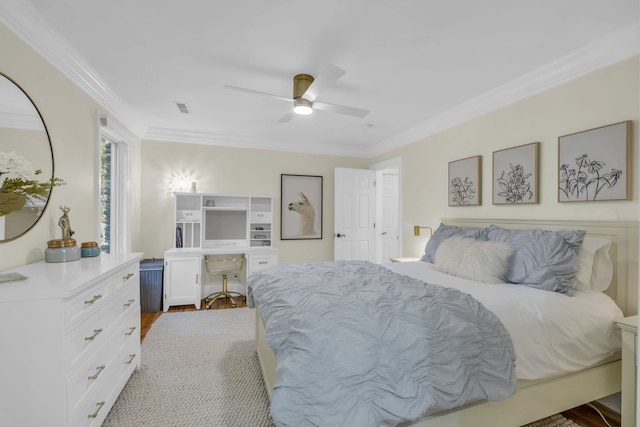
pixel 603 97
pixel 70 117
pixel 237 171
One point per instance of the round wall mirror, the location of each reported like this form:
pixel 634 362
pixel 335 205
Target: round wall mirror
pixel 25 156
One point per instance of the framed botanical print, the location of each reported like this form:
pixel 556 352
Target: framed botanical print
pixel 595 164
pixel 516 175
pixel 465 182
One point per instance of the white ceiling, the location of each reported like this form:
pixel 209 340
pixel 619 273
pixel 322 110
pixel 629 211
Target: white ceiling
pixel 417 65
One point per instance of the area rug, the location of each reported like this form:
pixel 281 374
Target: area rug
pixel 200 368
pixel 554 421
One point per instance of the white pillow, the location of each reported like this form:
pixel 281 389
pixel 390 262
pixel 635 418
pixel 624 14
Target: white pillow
pixel 594 265
pixel 479 260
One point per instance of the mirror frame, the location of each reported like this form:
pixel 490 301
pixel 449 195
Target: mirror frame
pixel 44 208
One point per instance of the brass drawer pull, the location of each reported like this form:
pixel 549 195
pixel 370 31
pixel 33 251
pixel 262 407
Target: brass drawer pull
pixel 128 304
pixel 132 356
pixel 99 405
pixel 131 329
pixel 94 299
pixel 96 332
pixel 98 371
pixel 127 277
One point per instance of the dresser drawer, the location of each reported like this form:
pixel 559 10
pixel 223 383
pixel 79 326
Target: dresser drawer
pixel 91 335
pixel 93 374
pixel 127 328
pixel 87 302
pixel 93 406
pixel 129 276
pixel 126 300
pixel 188 215
pixel 126 360
pixel 259 262
pixel 261 216
pixel 92 409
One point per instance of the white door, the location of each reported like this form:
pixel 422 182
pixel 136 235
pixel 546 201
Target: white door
pixel 387 223
pixel 354 215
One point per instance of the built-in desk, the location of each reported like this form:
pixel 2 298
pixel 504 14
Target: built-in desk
pixel 186 280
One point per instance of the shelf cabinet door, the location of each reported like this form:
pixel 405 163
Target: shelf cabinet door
pixel 182 278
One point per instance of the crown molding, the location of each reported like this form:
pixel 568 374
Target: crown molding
pixel 24 21
pixel 27 24
pixel 617 47
pixel 243 141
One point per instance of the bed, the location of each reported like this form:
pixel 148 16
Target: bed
pixel 534 398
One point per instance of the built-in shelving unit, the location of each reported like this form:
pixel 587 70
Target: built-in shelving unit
pixel 260 221
pixel 211 220
pixel 188 221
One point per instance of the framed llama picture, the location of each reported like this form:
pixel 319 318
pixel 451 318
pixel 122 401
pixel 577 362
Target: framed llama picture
pixel 465 185
pixel 301 210
pixel 516 175
pixel 595 164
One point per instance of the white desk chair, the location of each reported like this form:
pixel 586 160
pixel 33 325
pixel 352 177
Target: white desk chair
pixel 224 267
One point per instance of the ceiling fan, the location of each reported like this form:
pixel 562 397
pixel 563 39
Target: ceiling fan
pixel 306 90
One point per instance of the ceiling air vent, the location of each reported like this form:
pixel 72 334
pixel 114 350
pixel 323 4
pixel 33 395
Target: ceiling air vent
pixel 183 107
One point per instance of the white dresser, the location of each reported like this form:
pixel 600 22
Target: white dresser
pixel 70 340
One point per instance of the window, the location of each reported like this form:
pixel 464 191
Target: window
pixel 114 190
pixel 107 148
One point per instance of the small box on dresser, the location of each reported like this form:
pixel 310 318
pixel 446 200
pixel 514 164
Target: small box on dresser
pixel 71 340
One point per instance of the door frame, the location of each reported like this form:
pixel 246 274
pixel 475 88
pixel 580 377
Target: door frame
pixel 396 165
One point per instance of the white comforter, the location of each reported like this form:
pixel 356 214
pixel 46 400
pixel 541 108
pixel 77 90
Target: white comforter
pixel 552 333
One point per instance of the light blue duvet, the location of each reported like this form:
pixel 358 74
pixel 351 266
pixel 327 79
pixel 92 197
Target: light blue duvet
pixel 359 345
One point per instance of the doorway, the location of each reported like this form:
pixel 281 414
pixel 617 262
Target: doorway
pixel 368 212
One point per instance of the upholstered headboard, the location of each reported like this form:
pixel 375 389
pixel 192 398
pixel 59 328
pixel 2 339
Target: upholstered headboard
pixel 624 249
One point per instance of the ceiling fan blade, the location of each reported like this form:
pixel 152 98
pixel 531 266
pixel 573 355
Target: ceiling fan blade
pixel 255 92
pixel 342 109
pixel 327 77
pixel 286 117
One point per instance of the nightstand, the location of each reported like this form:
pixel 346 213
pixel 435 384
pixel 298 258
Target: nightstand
pixel 629 327
pixel 404 258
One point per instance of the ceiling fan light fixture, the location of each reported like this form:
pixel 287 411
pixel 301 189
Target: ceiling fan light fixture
pixel 302 107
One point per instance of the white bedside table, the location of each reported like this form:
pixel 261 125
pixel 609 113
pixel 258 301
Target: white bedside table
pixel 629 327
pixel 404 258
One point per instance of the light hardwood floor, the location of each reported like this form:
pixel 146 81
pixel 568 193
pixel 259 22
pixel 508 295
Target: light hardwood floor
pixel 583 415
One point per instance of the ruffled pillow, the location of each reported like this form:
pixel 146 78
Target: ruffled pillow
pixel 443 232
pixel 478 260
pixel 542 259
pixel 594 266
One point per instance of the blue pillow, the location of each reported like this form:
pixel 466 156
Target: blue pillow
pixel 541 259
pixel 443 232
